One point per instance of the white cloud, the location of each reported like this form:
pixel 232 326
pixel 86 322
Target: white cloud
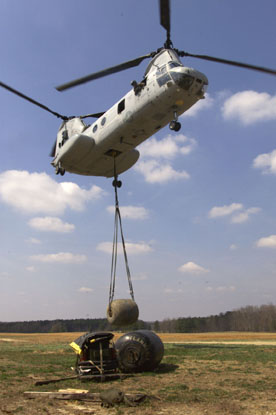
pixel 131 248
pixel 157 172
pixel 192 268
pixel 250 107
pixel 190 145
pixel 131 212
pixel 33 241
pixel 39 193
pixel 266 162
pixel 157 155
pixel 30 269
pixel 85 290
pixel 167 148
pixel 244 216
pixel 199 106
pixel 61 257
pixel 267 242
pixel 51 224
pixel 219 211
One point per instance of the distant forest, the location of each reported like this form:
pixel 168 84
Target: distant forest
pixel 249 318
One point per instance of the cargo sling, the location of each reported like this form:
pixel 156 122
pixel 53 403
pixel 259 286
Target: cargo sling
pixel 117 223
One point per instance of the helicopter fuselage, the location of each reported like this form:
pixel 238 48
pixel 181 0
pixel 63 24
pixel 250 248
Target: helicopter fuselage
pixel 167 91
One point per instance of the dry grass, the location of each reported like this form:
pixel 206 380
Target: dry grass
pixel 46 338
pixel 217 337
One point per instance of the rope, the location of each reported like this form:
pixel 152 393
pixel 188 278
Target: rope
pixel 118 223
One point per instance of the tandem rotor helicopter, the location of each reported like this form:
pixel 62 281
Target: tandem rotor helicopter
pixel 167 90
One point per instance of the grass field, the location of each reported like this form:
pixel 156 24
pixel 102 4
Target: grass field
pixel 217 373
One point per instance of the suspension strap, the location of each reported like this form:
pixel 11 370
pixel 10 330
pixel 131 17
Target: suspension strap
pixel 118 221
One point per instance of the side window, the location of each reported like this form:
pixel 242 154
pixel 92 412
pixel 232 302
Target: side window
pixel 95 128
pixel 162 76
pixel 121 106
pixel 103 121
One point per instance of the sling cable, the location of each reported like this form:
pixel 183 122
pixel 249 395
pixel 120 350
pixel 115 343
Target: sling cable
pixel 121 312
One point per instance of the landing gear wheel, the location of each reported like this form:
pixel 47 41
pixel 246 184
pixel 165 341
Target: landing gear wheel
pixel 117 183
pixel 60 170
pixel 178 126
pixel 175 125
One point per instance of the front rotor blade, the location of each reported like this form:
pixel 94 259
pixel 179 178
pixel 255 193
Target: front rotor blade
pixel 228 62
pixel 14 91
pixel 165 14
pixel 105 72
pixel 96 115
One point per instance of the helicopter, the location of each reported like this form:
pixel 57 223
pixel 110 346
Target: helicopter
pixel 107 147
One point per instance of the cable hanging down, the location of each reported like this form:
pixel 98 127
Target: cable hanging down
pixel 120 312
pixel 117 225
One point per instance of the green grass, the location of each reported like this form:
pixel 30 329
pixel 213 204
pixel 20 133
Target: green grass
pixel 189 373
pixel 234 353
pixel 241 371
pixel 20 360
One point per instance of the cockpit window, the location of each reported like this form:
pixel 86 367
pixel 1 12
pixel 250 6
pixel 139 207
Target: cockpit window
pixel 161 70
pixel 185 81
pixel 173 65
pixel 162 75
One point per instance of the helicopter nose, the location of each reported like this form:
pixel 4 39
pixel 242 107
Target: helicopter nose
pixel 190 80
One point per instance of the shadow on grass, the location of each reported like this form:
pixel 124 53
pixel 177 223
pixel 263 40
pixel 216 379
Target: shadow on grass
pixel 166 368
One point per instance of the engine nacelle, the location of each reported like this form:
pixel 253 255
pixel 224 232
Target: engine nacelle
pixel 74 149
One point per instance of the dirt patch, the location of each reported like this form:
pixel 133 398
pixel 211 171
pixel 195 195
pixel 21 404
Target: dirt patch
pixel 3 339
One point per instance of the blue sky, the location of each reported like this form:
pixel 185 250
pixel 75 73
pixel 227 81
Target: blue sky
pixel 199 208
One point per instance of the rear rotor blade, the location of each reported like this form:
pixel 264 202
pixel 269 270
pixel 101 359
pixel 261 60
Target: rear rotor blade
pixel 165 14
pixel 105 72
pixel 165 20
pixel 14 91
pixel 229 62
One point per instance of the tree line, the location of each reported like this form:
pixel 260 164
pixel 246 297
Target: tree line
pixel 250 318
